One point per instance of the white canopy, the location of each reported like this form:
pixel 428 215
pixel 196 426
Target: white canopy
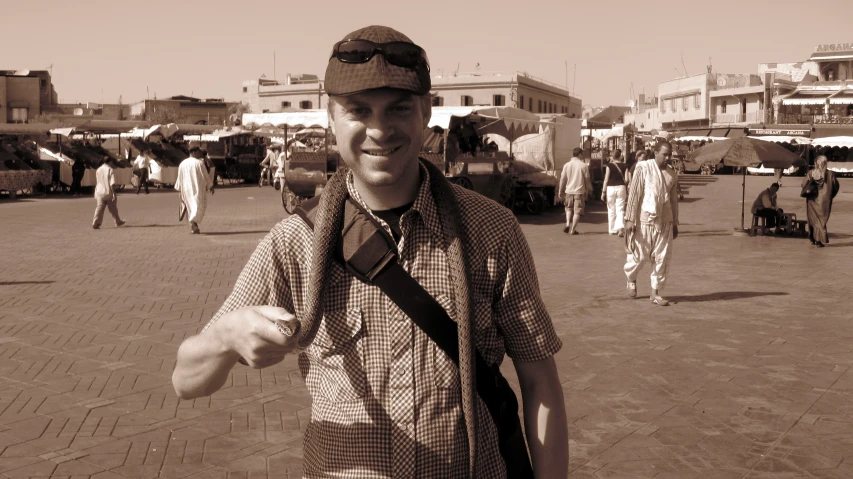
pixel 293 119
pixel 441 115
pixel 794 140
pixel 839 141
pixel 700 138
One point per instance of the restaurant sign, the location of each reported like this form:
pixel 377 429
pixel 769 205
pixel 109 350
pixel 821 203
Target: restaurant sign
pixel 834 47
pixel 771 132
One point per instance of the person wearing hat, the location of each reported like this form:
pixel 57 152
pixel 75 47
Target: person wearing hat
pixel 193 183
pixel 386 400
pixel 267 164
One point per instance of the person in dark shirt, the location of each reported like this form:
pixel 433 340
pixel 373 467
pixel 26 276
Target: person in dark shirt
pixel 614 192
pixel 78 170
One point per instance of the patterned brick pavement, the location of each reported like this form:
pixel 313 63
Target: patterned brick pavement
pixel 748 374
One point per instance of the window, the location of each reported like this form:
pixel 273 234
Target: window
pixel 521 102
pixel 672 105
pixel 305 105
pixel 499 100
pixel 265 110
pixel 43 83
pixel 466 100
pixel 723 107
pixel 684 103
pixel 540 107
pixel 19 115
pixel 530 104
pixel 696 101
pixel 245 89
pixel 663 106
pixel 437 101
pixel 285 104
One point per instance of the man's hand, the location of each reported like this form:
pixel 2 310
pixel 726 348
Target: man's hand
pixel 212 190
pixel 674 231
pixel 252 333
pixel 603 197
pixel 629 225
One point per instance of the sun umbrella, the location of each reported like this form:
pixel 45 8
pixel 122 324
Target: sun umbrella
pixel 743 152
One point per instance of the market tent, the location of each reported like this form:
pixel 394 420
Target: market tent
pixel 506 121
pixel 441 115
pixel 794 140
pixel 292 119
pixel 619 131
pixel 608 117
pixel 834 141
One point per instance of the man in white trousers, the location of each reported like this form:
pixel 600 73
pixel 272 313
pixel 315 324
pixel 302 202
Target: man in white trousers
pixel 653 203
pixel 615 193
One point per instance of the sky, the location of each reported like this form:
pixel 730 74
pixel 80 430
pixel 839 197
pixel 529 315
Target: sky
pixel 602 49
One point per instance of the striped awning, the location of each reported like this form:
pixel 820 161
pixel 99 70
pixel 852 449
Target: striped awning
pixel 807 98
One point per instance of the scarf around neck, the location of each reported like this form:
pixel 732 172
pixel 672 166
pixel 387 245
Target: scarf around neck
pixel 327 228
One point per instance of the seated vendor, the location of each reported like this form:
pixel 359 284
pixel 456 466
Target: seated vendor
pixel 765 206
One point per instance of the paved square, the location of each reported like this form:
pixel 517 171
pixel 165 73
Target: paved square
pixel 747 374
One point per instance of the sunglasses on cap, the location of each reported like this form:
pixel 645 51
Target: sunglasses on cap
pixel 401 54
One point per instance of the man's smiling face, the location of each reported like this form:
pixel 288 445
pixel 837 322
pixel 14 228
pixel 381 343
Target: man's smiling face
pixel 380 133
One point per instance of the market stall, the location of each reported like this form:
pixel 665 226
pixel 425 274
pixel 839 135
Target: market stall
pixel 839 152
pixel 783 140
pixel 20 167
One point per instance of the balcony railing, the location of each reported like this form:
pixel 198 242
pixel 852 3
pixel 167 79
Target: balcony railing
pixel 808 119
pixel 749 117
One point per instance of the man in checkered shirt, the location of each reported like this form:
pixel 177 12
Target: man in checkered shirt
pixel 387 401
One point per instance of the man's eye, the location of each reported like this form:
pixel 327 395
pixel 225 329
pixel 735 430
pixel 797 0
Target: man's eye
pixel 401 109
pixel 360 111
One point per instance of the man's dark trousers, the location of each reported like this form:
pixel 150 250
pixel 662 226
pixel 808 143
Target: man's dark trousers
pixel 143 181
pixel 770 213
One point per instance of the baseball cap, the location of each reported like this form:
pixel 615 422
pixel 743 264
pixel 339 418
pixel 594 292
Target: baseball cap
pixel 349 78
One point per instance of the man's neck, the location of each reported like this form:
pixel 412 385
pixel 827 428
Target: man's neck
pixel 388 197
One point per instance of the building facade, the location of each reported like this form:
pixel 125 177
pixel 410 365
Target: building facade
pixel 306 92
pixel 684 102
pixel 24 95
pixel 515 89
pixel 296 92
pixel 183 109
pixel 824 92
pixel 644 114
pixel 737 100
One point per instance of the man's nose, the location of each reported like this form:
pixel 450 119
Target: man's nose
pixel 380 128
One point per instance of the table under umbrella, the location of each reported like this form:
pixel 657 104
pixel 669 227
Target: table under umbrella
pixel 743 152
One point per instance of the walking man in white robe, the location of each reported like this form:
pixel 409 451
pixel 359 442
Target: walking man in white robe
pixel 193 183
pixel 653 203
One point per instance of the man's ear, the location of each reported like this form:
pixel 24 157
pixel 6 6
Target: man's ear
pixel 330 107
pixel 427 108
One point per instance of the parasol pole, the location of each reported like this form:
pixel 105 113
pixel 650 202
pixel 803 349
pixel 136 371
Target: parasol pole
pixel 743 196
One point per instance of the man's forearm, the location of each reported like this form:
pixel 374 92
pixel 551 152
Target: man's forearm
pixel 545 426
pixel 203 365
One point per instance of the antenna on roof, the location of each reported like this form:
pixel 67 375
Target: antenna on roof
pixel 457 68
pixel 683 65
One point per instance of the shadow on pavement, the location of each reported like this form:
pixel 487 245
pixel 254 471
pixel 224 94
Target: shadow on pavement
pixel 705 233
pixel 692 199
pixel 829 245
pixel 723 296
pixel 150 226
pixel 229 233
pixel 14 283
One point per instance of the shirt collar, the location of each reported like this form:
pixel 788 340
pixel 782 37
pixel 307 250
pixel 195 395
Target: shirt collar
pixel 424 203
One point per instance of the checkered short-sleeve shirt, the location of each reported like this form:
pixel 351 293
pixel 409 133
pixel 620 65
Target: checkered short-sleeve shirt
pixel 387 401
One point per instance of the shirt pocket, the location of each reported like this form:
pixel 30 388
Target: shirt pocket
pixel 338 351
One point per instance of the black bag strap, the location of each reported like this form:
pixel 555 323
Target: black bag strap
pixel 370 254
